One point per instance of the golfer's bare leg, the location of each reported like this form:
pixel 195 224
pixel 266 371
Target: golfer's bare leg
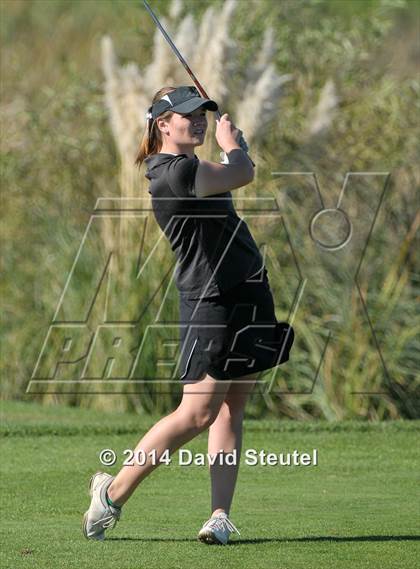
pixel 200 405
pixel 225 434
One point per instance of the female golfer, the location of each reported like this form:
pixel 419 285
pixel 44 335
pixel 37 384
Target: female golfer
pixel 229 330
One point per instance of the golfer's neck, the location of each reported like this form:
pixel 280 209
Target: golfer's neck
pixel 173 148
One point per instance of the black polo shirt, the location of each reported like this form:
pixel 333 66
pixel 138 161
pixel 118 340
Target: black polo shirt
pixel 214 247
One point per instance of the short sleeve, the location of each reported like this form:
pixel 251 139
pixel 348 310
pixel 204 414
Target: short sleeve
pixel 180 175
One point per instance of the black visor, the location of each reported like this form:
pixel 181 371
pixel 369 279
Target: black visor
pixel 183 100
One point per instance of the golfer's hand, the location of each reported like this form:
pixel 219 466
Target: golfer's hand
pixel 230 136
pixel 242 143
pixel 227 135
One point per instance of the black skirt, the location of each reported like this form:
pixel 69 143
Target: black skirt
pixel 233 334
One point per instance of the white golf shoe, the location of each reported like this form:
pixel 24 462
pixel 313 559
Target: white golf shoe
pixel 217 530
pixel 100 515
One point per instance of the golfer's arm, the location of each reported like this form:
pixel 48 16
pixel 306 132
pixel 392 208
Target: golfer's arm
pixel 213 178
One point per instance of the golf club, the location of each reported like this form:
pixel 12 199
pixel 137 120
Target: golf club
pixel 197 83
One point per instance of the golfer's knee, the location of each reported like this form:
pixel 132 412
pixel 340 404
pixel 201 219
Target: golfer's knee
pixel 199 419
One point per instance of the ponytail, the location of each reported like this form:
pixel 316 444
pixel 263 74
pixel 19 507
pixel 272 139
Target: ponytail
pixel 152 141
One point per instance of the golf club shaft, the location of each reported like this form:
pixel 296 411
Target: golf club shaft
pixel 179 56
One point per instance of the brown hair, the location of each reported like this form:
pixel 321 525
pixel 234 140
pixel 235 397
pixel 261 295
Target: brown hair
pixel 152 137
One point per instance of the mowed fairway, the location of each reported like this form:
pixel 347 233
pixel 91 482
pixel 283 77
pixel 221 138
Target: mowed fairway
pixel 359 508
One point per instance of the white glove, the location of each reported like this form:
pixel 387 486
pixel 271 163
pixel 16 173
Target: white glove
pixel 224 158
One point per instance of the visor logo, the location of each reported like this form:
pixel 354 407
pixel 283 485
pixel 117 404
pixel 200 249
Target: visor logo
pixel 166 98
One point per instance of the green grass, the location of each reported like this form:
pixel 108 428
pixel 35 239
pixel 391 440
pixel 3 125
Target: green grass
pixel 357 509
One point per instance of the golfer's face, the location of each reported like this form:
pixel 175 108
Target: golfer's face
pixel 190 128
